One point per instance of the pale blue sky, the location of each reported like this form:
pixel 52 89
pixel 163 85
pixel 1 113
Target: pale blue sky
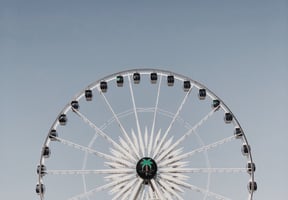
pixel 49 51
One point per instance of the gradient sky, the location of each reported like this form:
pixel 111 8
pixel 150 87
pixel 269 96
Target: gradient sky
pixel 50 50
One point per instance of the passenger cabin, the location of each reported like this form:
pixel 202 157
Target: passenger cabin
pixel 238 133
pixel 153 77
pixel 170 80
pixel 53 134
pixel 103 86
pixel 136 77
pixel 41 170
pixel 186 86
pixel 75 105
pixel 62 119
pixel 46 152
pixel 202 94
pixel 119 81
pixel 251 167
pixel 88 95
pixel 215 103
pixel 40 188
pixel 245 149
pixel 252 186
pixel 228 118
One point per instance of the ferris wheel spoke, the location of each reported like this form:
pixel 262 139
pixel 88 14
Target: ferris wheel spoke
pixel 100 188
pixel 199 150
pixel 168 187
pixel 173 185
pixel 151 194
pixel 136 117
pixel 157 189
pixel 120 125
pixel 157 138
pixel 117 188
pixel 103 135
pixel 122 184
pixel 141 193
pixel 136 190
pixel 135 140
pixel 167 144
pixel 202 170
pixel 154 117
pixel 146 138
pixel 189 132
pixel 94 152
pixel 121 192
pixel 193 187
pixel 171 123
pixel 85 172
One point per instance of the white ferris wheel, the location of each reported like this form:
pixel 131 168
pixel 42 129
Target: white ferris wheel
pixel 146 134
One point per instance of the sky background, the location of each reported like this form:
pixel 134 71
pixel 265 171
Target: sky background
pixel 50 50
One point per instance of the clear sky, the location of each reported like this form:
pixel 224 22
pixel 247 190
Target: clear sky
pixel 50 50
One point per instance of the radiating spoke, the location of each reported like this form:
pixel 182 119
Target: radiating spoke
pixel 171 123
pixel 136 118
pixel 156 187
pixel 120 125
pixel 85 172
pixel 146 139
pixel 189 132
pixel 172 185
pixel 193 187
pixel 94 152
pixel 199 150
pixel 101 188
pixel 117 188
pixel 104 135
pixel 157 138
pixel 154 117
pixel 123 190
pixel 135 140
pixel 144 195
pixel 136 190
pixel 201 170
pixel 168 187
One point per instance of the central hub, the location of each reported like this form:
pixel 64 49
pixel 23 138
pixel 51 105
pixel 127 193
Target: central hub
pixel 146 168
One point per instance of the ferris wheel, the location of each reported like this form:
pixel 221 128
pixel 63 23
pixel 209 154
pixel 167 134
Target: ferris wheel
pixel 146 134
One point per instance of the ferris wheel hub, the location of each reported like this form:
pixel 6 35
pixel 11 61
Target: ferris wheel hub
pixel 146 168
